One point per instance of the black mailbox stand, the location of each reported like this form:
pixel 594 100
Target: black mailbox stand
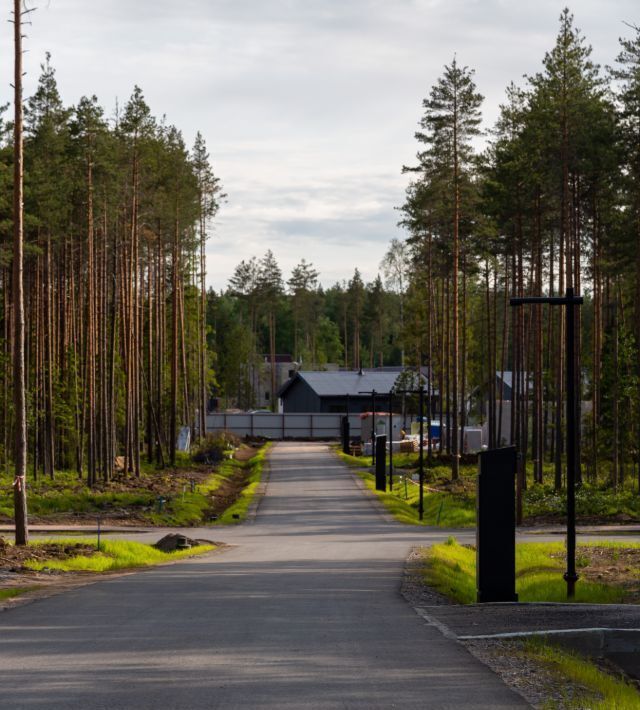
pixel 496 526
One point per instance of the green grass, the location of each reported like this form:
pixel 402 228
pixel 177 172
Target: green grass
pixel 604 691
pixel 11 592
pixel 66 494
pixel 457 508
pixel 591 501
pixel 113 555
pixel 241 507
pixel 451 569
pixel 445 510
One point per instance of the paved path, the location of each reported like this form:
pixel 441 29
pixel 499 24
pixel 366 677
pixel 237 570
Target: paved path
pixel 303 612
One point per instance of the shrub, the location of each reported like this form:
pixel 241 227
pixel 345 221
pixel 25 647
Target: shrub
pixel 211 449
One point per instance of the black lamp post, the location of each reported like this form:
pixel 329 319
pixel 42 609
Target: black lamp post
pixel 373 394
pixel 569 301
pixel 420 393
pixel 391 440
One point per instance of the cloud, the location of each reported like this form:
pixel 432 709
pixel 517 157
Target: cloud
pixel 308 106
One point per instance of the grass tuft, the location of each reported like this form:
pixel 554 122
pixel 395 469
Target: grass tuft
pixel 604 692
pixel 11 592
pixel 113 555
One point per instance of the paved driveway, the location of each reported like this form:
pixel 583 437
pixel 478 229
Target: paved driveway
pixel 303 612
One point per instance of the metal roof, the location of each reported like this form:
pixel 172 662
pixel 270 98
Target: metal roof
pixel 342 383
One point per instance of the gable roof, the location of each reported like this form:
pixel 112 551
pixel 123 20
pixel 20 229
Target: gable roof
pixel 507 378
pixel 345 382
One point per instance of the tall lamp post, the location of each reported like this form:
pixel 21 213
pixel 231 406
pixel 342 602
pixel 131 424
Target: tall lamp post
pixel 373 394
pixel 391 439
pixel 420 393
pixel 569 301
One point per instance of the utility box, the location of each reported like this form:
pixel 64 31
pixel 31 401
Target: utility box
pixel 381 463
pixel 379 425
pixel 496 526
pixel 472 440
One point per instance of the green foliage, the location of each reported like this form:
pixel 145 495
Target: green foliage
pixel 11 592
pixel 237 512
pixel 456 507
pixel 591 502
pixel 213 447
pixel 451 569
pixel 68 494
pixel 191 509
pixel 114 555
pixel 441 509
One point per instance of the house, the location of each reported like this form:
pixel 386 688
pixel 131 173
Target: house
pixel 336 392
pixel 508 384
pixel 260 374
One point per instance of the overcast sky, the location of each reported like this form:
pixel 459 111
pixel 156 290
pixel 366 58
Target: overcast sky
pixel 308 106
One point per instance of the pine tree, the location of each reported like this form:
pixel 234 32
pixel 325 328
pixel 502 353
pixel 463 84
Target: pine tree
pixel 451 120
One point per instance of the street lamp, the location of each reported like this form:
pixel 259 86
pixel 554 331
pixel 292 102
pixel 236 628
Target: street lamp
pixel 569 301
pixel 420 393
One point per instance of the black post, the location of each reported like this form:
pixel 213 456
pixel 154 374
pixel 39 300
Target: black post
pixel 421 454
pixel 495 529
pixel 381 463
pixel 346 430
pixel 373 427
pixel 570 575
pixel 346 434
pixel 429 416
pixel 391 441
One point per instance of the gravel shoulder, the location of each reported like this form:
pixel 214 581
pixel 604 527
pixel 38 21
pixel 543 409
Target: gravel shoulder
pixel 506 656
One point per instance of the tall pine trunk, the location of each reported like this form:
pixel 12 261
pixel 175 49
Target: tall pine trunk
pixel 19 384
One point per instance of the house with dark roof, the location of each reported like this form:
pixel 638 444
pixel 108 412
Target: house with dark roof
pixel 337 392
pixel 505 378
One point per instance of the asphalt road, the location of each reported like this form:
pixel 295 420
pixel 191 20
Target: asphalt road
pixel 304 611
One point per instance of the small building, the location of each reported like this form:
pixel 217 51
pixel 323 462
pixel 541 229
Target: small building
pixel 506 379
pixel 337 392
pixel 260 374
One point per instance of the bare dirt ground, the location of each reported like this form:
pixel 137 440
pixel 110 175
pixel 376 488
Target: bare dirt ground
pixel 13 573
pixel 13 557
pixel 619 567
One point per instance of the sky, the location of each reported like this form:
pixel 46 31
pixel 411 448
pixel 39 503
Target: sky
pixel 308 107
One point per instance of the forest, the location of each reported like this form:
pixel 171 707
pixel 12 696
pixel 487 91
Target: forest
pixel 547 199
pixel 351 324
pixel 116 211
pixel 552 202
pixel 124 344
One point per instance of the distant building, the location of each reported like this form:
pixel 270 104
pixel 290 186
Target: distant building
pixel 335 392
pixel 506 379
pixel 260 375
